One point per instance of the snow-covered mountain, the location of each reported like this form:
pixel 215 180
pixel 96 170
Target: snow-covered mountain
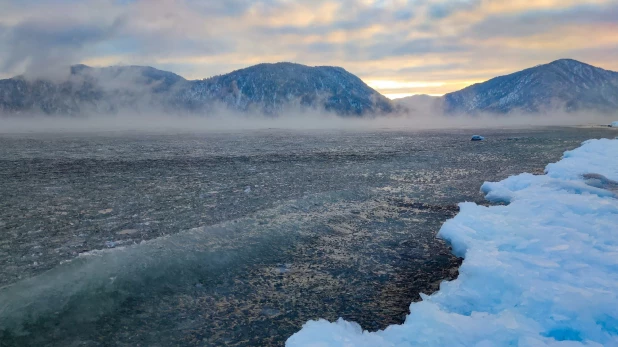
pixel 265 88
pixel 270 88
pixel 564 84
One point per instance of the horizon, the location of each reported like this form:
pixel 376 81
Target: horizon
pixel 397 47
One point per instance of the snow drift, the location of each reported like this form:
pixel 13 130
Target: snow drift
pixel 541 271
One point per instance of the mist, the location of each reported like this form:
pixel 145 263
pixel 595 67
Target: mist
pixel 227 120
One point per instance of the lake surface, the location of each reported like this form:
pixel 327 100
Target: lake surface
pixel 238 238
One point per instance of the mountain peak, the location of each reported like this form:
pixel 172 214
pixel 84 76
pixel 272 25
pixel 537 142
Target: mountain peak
pixel 566 61
pixel 570 64
pixel 286 66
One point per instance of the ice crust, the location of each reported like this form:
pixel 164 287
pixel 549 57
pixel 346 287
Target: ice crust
pixel 540 271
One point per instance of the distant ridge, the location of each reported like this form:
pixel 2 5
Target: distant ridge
pixel 564 84
pixel 419 103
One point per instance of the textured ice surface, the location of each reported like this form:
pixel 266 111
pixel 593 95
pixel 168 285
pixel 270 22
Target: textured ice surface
pixel 541 271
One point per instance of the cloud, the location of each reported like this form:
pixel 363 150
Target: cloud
pixel 41 42
pixel 41 45
pixel 424 46
pixel 449 41
pixel 534 22
pixel 445 9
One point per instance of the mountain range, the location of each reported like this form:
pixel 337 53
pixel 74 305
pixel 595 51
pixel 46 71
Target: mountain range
pixel 273 89
pixel 263 88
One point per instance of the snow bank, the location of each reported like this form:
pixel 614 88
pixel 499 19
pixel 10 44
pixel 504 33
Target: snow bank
pixel 542 271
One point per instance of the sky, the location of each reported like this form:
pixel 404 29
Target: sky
pixel 399 47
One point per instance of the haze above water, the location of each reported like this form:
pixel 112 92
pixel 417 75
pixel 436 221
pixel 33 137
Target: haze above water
pixel 306 119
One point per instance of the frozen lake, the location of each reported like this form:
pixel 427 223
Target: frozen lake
pixel 235 238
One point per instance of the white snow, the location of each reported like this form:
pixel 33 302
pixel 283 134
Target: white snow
pixel 541 271
pixel 614 125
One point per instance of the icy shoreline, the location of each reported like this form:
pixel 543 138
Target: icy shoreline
pixel 541 271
